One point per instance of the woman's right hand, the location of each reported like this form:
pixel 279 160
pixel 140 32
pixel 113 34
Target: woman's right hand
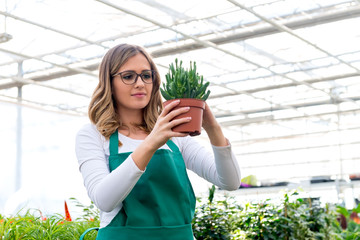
pixel 162 130
pixel 160 134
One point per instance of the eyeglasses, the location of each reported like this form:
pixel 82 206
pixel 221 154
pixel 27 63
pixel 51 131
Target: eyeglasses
pixel 130 77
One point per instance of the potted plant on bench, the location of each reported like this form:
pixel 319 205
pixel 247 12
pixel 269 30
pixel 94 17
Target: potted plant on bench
pixel 190 88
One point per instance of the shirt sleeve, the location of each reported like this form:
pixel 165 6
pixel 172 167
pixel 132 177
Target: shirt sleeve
pixel 107 190
pixel 219 167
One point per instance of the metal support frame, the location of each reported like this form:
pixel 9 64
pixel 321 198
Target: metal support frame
pixel 18 166
pixel 208 43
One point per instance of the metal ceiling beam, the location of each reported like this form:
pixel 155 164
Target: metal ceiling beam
pixel 331 15
pixel 298 22
pixel 80 45
pixel 38 79
pixel 75 70
pixel 40 106
pixel 163 8
pixel 295 148
pixel 252 32
pixel 51 29
pixel 22 81
pixel 206 44
pixel 289 136
pixel 285 85
pixel 290 106
pixel 209 44
pixel 283 28
pixel 252 120
pixel 235 92
pixel 164 26
pixel 59 74
pixel 296 69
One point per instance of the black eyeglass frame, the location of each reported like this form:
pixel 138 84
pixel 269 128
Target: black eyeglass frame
pixel 137 76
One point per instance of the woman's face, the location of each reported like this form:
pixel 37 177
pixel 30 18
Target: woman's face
pixel 135 96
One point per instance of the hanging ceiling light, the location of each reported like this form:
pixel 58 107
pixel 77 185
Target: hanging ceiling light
pixel 4 37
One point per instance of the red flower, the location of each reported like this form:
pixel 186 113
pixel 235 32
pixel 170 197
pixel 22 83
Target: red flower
pixel 67 214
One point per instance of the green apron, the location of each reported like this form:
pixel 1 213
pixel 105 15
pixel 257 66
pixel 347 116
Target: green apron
pixel 162 203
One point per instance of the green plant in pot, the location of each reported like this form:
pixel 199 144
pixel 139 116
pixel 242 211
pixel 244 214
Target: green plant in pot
pixel 191 89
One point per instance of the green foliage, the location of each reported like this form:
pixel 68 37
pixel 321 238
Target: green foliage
pixel 292 218
pixel 296 219
pixel 349 228
pixel 183 83
pixel 216 219
pixel 32 225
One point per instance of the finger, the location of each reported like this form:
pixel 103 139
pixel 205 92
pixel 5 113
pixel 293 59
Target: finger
pixel 179 121
pixel 176 112
pixel 170 106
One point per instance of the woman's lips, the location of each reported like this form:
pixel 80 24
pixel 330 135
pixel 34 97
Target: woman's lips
pixel 139 95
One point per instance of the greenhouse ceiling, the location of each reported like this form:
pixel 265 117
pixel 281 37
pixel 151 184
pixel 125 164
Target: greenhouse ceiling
pixel 268 61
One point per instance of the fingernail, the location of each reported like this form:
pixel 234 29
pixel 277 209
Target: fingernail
pixel 188 118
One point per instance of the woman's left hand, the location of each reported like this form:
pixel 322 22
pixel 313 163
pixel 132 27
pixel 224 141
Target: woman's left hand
pixel 213 128
pixel 209 120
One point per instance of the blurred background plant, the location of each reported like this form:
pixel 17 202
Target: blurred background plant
pixel 292 218
pixel 216 217
pixel 33 225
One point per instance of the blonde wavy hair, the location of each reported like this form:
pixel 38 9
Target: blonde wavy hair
pixel 102 109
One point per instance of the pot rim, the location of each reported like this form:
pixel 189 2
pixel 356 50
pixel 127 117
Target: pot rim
pixel 192 102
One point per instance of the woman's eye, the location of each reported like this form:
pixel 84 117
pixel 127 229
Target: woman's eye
pixel 127 76
pixel 146 75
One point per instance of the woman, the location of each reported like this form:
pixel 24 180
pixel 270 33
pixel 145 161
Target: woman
pixel 133 165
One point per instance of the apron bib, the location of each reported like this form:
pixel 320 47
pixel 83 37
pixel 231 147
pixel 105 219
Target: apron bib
pixel 162 203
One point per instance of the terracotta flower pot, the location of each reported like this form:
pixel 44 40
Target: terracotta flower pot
pixel 193 128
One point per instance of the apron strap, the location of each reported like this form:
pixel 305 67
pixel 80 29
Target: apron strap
pixel 114 143
pixel 172 146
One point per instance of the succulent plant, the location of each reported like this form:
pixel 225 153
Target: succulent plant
pixel 183 83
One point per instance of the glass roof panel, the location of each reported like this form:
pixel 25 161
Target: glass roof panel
pixel 284 83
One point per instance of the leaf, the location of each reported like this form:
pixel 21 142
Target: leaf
pixel 206 95
pixel 211 193
pixel 343 211
pixel 183 83
pixel 165 94
pixel 357 209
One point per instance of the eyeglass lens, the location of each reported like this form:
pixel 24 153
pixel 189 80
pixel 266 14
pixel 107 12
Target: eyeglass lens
pixel 130 77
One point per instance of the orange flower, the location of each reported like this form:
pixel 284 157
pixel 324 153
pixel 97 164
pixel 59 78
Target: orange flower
pixel 67 214
pixel 355 217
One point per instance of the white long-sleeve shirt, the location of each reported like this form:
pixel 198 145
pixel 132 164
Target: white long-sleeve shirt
pixel 108 190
